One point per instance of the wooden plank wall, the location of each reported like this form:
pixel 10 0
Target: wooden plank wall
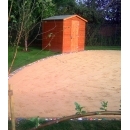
pixel 53 34
pixel 67 34
pixel 60 40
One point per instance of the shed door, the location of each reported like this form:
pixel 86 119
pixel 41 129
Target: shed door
pixel 74 35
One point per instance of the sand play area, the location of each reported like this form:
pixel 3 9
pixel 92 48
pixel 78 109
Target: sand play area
pixel 49 87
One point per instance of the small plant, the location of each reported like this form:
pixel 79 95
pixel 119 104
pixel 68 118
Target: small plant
pixel 79 109
pixel 35 120
pixel 104 105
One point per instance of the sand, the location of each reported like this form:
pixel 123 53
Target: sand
pixel 49 87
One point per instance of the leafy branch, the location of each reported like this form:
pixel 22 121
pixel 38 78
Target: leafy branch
pixel 79 109
pixel 35 120
pixel 80 113
pixel 104 105
pixel 77 116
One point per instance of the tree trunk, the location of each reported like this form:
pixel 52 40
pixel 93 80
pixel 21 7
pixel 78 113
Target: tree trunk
pixel 26 43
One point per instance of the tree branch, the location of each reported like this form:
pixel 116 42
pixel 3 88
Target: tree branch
pixel 10 10
pixel 78 116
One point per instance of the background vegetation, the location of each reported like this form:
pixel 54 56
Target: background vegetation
pixel 25 30
pixel 73 125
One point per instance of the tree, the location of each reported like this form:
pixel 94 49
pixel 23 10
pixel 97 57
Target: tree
pixel 29 13
pixel 26 19
pixel 113 11
pixel 97 11
pixel 65 6
pixel 23 17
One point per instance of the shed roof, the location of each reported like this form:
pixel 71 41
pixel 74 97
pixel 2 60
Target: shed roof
pixel 64 17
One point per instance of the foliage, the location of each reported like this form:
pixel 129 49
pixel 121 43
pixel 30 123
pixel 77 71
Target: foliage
pixel 79 109
pixel 24 124
pixel 65 6
pixel 27 15
pixel 104 105
pixel 23 17
pixel 27 124
pixel 35 121
pixel 103 35
pixel 113 11
pixel 102 9
pixel 86 125
pixel 73 125
pixel 39 8
pixel 98 13
pixel 95 11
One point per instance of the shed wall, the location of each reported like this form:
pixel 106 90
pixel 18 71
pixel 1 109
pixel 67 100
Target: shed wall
pixel 57 35
pixel 67 25
pixel 52 35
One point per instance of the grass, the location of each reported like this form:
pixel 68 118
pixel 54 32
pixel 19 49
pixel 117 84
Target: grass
pixel 73 125
pixel 24 58
pixel 34 54
pixel 103 48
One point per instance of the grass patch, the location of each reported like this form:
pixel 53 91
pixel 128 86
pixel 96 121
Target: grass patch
pixel 73 125
pixel 24 58
pixel 103 48
pixel 34 54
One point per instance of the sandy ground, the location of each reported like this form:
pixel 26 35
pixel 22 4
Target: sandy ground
pixel 49 87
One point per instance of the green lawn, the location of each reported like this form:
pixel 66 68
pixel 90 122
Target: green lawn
pixel 24 58
pixel 103 48
pixel 34 54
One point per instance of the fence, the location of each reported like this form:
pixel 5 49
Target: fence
pixel 107 34
pixel 103 35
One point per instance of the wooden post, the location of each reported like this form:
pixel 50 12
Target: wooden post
pixel 11 105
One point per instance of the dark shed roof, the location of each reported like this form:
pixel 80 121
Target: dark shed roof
pixel 63 17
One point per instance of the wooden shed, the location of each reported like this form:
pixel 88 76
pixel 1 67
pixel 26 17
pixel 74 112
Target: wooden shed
pixel 64 33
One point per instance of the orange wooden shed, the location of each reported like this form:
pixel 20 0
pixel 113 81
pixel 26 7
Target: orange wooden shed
pixel 64 33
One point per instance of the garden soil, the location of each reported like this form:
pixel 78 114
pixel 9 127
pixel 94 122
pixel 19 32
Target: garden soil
pixel 49 87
